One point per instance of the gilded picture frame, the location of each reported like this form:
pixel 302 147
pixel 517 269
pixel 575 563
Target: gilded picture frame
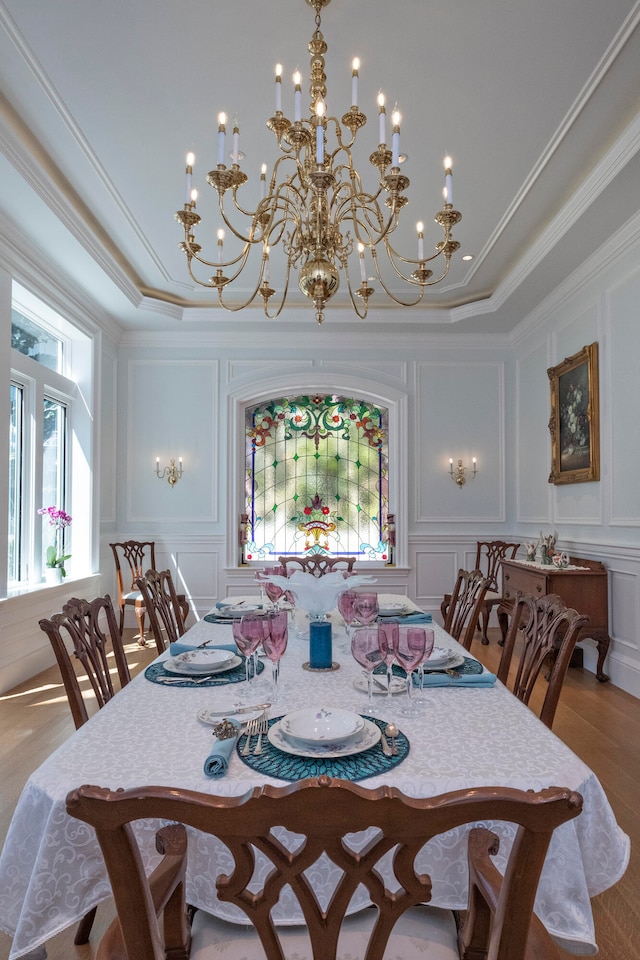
pixel 575 418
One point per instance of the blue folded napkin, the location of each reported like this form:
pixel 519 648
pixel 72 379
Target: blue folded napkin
pixel 464 680
pixel 418 617
pixel 218 760
pixel 176 648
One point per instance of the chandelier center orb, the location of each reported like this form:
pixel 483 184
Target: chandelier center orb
pixel 314 210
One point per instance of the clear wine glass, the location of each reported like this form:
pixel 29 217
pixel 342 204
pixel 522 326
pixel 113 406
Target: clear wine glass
pixel 365 648
pixel 366 607
pixel 410 651
pixel 274 645
pixel 249 632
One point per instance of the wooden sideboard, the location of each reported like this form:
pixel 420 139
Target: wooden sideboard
pixel 584 590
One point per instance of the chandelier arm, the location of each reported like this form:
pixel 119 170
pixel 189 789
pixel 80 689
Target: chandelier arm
pixel 413 280
pixel 354 303
pixel 274 316
pixel 403 303
pixel 242 256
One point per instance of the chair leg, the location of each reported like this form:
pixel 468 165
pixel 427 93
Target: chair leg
pixel 84 928
pixel 140 618
pixel 484 620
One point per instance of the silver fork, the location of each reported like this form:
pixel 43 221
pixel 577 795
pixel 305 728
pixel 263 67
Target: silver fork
pixel 252 729
pixel 262 727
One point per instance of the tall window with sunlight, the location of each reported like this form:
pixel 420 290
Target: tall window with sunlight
pixel 16 439
pixel 316 478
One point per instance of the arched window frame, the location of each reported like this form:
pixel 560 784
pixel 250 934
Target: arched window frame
pixel 245 393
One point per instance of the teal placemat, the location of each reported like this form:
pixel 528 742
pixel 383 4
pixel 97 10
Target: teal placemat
pixel 156 672
pixel 285 766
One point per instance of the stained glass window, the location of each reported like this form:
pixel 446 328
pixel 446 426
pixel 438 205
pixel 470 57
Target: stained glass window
pixel 316 478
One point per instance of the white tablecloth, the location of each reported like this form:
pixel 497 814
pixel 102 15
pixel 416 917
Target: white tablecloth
pixel 51 870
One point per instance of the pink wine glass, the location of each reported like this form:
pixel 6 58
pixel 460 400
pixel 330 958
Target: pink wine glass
pixel 365 648
pixel 274 645
pixel 249 632
pixel 410 652
pixel 388 633
pixel 347 609
pixel 366 607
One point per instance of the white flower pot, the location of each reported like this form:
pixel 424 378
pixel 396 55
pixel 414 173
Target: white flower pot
pixel 52 575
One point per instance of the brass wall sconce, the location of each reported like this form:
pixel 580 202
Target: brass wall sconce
pixel 459 473
pixel 172 473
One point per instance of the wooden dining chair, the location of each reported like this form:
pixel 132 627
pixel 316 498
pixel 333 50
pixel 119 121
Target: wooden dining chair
pixel 163 607
pixel 132 558
pixel 84 629
pixel 463 610
pixel 489 556
pixel 548 631
pixel 317 564
pixel 326 813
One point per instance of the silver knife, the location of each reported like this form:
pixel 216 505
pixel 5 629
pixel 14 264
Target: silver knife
pixel 233 712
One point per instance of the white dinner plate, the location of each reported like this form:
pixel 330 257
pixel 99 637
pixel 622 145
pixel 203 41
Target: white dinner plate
pixel 379 688
pixel 326 725
pixel 229 610
pixel 173 665
pixel 214 717
pixel 392 609
pixel 358 743
pixel 201 659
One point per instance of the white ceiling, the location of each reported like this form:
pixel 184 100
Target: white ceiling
pixel 538 104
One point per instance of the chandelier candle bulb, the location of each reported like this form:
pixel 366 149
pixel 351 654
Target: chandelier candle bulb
pixel 420 229
pixel 222 119
pixel 297 97
pixel 236 140
pixel 194 197
pixel 382 119
pixel 363 272
pixel 189 171
pixel 278 88
pixel 448 180
pixel 263 181
pixel 396 117
pixel 220 244
pixel 354 82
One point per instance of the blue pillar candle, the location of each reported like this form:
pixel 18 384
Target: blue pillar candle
pixel 320 645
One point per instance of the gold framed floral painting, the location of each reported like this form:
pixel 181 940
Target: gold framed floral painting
pixel 575 418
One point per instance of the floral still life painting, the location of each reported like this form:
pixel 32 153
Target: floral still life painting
pixel 574 423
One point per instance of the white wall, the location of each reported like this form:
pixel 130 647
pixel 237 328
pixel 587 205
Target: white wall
pixel 597 520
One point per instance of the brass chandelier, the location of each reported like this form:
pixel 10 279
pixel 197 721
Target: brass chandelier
pixel 314 204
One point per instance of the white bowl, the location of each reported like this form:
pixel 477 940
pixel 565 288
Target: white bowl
pixel 321 724
pixel 439 657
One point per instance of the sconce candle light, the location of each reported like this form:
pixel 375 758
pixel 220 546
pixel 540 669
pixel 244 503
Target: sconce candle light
pixel 459 473
pixel 172 473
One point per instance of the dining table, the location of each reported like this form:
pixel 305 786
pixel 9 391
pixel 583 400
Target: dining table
pixel 469 731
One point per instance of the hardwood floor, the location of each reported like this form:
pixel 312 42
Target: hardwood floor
pixel 598 721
